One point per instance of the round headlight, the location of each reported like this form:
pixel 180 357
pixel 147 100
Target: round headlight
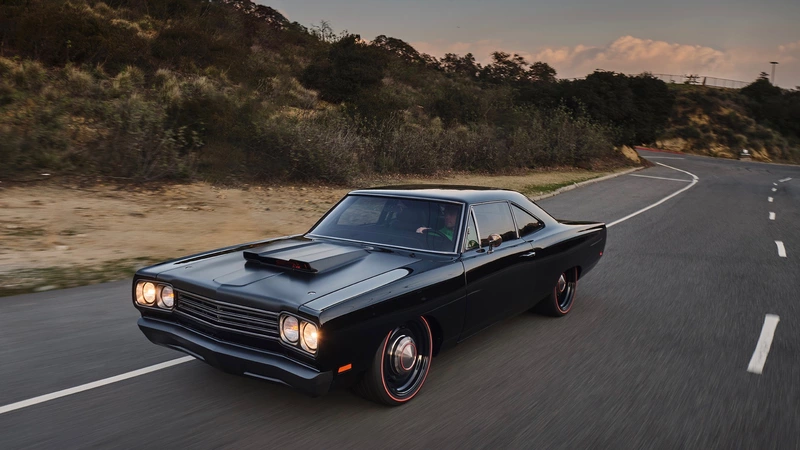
pixel 139 296
pixel 167 298
pixel 290 329
pixel 310 336
pixel 149 293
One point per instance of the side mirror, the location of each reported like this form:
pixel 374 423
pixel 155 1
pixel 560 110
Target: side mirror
pixel 494 241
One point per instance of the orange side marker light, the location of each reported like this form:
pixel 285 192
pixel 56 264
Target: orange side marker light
pixel 345 368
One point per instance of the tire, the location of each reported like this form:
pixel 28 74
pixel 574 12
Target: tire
pixel 560 300
pixel 396 376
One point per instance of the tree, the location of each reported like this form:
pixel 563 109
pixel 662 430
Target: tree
pixel 398 48
pixel 505 68
pixel 541 72
pixel 637 107
pixel 346 69
pixel 460 65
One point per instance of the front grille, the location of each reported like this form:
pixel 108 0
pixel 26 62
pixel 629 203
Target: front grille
pixel 220 318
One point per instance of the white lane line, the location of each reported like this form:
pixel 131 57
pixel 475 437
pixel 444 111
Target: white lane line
pixel 92 385
pixel 662 157
pixel 774 184
pixel 175 362
pixel 773 189
pixel 660 178
pixel 694 181
pixel 785 180
pixel 764 343
pixel 781 249
pixel 769 199
pixel 771 215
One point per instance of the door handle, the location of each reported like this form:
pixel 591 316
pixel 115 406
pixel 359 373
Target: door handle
pixel 528 255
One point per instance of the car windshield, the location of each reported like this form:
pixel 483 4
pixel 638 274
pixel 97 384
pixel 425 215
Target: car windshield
pixel 427 225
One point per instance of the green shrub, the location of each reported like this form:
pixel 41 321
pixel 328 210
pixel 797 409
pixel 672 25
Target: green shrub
pixel 688 132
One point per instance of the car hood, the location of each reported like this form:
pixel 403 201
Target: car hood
pixel 253 278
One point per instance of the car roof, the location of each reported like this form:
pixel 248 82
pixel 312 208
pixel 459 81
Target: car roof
pixel 466 194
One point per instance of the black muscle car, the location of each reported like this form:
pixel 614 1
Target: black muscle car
pixel 386 279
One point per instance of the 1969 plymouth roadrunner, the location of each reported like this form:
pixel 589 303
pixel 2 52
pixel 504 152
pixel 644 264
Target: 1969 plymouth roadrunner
pixel 386 279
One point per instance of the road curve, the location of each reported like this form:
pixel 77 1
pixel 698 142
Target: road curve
pixel 655 353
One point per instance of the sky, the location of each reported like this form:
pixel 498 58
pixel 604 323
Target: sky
pixel 731 39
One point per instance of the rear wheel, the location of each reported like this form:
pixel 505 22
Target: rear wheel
pixel 559 302
pixel 400 366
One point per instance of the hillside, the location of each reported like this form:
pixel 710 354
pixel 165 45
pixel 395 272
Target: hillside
pixel 722 122
pixel 228 90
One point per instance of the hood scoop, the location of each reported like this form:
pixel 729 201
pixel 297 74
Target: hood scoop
pixel 313 257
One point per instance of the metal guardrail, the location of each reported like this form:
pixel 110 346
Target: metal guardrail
pixel 697 80
pixel 701 80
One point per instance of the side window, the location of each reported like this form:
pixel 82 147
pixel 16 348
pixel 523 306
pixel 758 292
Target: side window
pixel 526 223
pixel 495 218
pixel 471 239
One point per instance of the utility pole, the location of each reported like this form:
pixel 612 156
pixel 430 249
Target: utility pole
pixel 774 63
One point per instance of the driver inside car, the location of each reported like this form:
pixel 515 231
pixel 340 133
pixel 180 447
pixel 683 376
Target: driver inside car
pixel 450 220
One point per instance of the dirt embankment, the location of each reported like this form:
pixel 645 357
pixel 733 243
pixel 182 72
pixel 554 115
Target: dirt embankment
pixel 54 236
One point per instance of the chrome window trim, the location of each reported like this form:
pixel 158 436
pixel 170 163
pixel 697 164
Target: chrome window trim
pixel 399 247
pixel 455 241
pixel 544 225
pixel 464 248
pixel 477 227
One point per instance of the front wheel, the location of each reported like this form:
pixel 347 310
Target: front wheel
pixel 400 366
pixel 559 301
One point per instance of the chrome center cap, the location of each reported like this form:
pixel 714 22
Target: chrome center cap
pixel 404 355
pixel 562 283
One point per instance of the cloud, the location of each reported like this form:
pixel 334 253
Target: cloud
pixel 629 54
pixel 632 55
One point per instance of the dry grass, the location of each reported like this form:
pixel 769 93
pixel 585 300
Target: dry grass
pixel 62 236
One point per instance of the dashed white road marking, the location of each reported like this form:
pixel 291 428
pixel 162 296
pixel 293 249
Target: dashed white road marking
pixel 769 199
pixel 92 385
pixel 659 178
pixel 771 215
pixel 781 249
pixel 785 180
pixel 773 189
pixel 774 184
pixel 694 181
pixel 764 343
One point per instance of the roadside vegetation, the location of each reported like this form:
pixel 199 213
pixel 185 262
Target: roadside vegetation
pixel 231 91
pixel 47 279
pixel 55 235
pixel 762 118
pixel 224 91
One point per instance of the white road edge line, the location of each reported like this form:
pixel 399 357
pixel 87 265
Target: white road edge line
pixel 785 180
pixel 764 343
pixel 694 181
pixel 92 385
pixel 659 178
pixel 175 362
pixel 781 249
pixel 771 215
pixel 662 157
pixel 769 199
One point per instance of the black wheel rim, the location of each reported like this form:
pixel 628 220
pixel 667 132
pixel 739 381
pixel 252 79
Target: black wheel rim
pixel 565 292
pixel 406 360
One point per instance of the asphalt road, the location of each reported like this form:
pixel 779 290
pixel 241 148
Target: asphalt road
pixel 653 355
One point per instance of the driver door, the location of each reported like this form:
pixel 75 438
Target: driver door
pixel 496 276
